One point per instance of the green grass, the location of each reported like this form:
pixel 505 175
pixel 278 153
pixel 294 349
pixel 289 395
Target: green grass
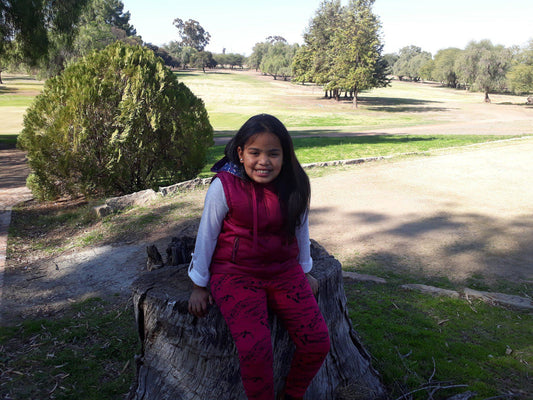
pixel 86 353
pixel 16 94
pixel 231 98
pixel 418 340
pixel 320 149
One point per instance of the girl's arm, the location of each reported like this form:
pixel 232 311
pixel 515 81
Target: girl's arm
pixel 304 257
pixel 215 210
pixel 304 244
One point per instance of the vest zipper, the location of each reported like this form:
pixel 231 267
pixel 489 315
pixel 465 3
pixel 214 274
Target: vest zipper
pixel 235 248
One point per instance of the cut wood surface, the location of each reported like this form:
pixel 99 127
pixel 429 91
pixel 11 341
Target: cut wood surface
pixel 188 358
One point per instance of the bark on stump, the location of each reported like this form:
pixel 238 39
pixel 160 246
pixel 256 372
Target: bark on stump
pixel 189 358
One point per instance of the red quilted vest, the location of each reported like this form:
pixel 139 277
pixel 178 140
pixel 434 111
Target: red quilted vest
pixel 252 239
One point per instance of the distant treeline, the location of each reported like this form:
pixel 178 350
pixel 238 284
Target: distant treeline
pixel 342 49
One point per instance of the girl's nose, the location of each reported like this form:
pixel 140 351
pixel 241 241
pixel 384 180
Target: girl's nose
pixel 264 160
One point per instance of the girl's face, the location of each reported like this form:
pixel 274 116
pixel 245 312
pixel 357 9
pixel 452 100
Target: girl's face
pixel 262 157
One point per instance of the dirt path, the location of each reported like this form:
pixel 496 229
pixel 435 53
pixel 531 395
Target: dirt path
pixel 458 215
pixel 13 172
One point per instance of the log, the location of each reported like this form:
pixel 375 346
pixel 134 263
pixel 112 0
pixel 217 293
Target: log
pixel 188 358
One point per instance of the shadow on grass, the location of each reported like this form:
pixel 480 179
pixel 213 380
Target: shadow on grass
pixel 104 268
pixel 199 73
pixel 394 101
pixel 8 90
pixel 8 141
pixel 319 141
pixel 399 105
pixel 394 104
pixel 18 78
pixel 474 249
pixel 184 74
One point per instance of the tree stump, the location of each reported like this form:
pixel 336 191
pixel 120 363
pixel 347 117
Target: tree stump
pixel 189 358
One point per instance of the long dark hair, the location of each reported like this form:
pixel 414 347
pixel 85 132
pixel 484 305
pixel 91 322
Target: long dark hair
pixel 294 189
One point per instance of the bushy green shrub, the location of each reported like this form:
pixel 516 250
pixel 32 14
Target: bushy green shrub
pixel 115 122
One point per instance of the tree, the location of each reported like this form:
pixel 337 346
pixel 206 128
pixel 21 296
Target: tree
pixel 444 69
pixel 358 49
pixel 426 69
pixel 390 59
pixel 115 122
pixel 483 66
pixel 192 34
pixel 204 59
pixel 102 22
pixel 278 59
pixel 342 49
pixel 302 65
pixel 318 44
pixel 258 52
pixel 410 61
pixel 520 76
pixel 27 27
pixel 231 59
pixel 167 58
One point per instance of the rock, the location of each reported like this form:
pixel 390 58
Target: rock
pixel 187 185
pixel 362 277
pixel 102 211
pixel 500 298
pixel 115 204
pixel 130 200
pixel 431 290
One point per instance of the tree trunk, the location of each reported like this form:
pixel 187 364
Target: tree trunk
pixel 187 358
pixel 355 105
pixel 487 98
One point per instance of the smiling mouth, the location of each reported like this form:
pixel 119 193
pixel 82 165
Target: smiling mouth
pixel 262 171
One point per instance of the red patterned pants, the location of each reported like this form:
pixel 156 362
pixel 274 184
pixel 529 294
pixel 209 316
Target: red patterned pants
pixel 244 303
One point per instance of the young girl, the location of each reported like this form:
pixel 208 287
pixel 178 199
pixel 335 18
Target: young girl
pixel 252 249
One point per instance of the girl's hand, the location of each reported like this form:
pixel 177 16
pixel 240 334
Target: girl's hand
pixel 198 301
pixel 313 283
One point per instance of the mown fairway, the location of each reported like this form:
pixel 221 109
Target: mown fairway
pixel 16 94
pixel 232 97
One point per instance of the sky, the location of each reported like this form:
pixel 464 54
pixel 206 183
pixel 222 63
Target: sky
pixel 237 25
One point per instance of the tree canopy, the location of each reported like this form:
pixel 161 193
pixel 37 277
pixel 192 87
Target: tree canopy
pixel 278 58
pixel 32 24
pixel 520 75
pixel 49 34
pixel 342 49
pixel 192 34
pixel 410 61
pixel 483 66
pixel 115 122
pixel 444 66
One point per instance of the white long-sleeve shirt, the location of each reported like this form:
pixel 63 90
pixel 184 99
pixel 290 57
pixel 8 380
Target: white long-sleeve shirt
pixel 215 210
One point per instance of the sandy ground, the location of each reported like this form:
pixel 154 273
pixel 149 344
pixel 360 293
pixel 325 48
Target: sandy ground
pixel 456 215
